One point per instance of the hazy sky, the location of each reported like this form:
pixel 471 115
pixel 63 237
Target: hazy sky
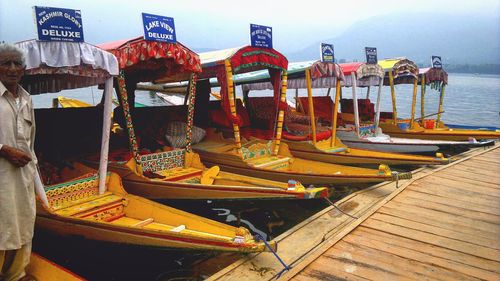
pixel 225 23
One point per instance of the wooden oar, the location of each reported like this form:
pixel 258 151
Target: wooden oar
pixel 428 115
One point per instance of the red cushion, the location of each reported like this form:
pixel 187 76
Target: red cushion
pixel 323 106
pixel 219 118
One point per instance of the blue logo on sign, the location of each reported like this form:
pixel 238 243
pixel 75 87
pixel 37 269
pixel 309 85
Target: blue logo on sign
pixel 158 28
pixel 327 53
pixel 436 62
pixel 57 24
pixel 261 36
pixel 371 55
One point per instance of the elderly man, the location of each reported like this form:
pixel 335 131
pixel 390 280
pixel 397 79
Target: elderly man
pixel 17 166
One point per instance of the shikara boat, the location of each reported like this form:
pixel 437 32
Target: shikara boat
pixel 178 173
pixel 256 156
pixel 361 123
pixel 43 269
pixel 320 146
pixel 430 129
pixel 95 205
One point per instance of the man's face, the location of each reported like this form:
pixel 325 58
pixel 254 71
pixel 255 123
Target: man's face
pixel 11 68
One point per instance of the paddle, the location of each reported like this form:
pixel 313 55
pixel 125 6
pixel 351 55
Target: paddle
pixel 428 115
pixel 208 177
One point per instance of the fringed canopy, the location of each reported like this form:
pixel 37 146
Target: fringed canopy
pixel 366 74
pixel 433 74
pixel 55 66
pixel 150 60
pixel 323 74
pixel 404 70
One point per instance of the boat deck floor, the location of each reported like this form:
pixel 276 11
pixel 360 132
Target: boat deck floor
pixel 441 225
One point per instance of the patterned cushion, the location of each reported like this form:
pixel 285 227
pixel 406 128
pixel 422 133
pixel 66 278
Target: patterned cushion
pixel 175 133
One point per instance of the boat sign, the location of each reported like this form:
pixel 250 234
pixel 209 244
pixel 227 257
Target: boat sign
pixel 158 28
pixel 436 62
pixel 327 54
pixel 371 55
pixel 58 24
pixel 261 36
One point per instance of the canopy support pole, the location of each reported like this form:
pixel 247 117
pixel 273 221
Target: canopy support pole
pixel 232 106
pixel 328 92
pixel 355 102
pixel 393 96
pixel 281 113
pixel 106 128
pixel 190 116
pixel 333 139
pixel 368 92
pixel 134 148
pixel 414 101
pixel 297 100
pixel 440 110
pixel 311 105
pixel 377 114
pixel 422 100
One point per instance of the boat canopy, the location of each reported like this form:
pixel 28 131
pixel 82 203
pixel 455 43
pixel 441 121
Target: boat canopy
pixel 150 60
pixel 404 70
pixel 433 74
pixel 366 74
pixel 323 74
pixel 55 66
pixel 242 60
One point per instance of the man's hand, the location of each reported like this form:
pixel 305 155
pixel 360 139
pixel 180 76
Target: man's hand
pixel 15 156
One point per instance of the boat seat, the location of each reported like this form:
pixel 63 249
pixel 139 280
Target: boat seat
pixel 180 174
pixel 80 198
pixel 323 106
pixel 259 155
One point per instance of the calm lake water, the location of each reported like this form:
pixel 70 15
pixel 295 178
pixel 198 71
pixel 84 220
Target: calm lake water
pixel 469 100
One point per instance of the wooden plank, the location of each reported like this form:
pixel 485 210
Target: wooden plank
pixel 491 172
pixel 491 161
pixel 479 188
pixel 466 204
pixel 433 239
pixel 408 214
pixel 450 218
pixel 479 164
pixel 463 212
pixel 314 273
pixel 369 257
pixel 472 176
pixel 432 229
pixel 361 263
pixel 428 249
pixel 367 240
pixel 471 181
pixel 453 193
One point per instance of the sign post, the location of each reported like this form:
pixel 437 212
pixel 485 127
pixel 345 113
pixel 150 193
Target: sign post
pixel 58 24
pixel 436 62
pixel 371 55
pixel 327 53
pixel 261 36
pixel 158 28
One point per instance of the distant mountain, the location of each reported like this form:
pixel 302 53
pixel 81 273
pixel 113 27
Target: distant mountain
pixel 458 39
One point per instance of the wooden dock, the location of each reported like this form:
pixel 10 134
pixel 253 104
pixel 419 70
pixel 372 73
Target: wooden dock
pixel 444 224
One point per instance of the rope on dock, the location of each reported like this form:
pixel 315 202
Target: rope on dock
pixel 340 210
pixel 286 267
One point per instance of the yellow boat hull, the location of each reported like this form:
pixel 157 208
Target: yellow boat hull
pixel 440 133
pixel 226 186
pixel 43 269
pixel 341 154
pixel 224 155
pixel 139 221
